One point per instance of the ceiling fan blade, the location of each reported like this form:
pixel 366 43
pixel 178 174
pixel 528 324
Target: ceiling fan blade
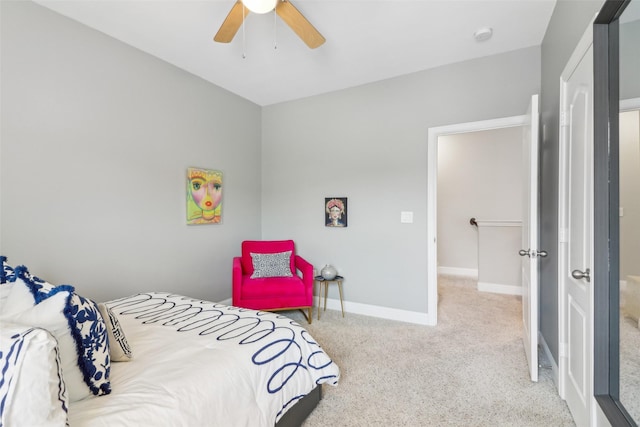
pixel 299 24
pixel 231 23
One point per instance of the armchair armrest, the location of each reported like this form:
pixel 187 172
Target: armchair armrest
pixel 307 274
pixel 237 280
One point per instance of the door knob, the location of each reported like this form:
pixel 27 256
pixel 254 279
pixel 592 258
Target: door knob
pixel 532 253
pixel 579 275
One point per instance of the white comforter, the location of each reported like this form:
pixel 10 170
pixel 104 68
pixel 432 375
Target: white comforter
pixel 198 363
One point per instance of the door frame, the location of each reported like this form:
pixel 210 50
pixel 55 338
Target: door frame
pixel 606 215
pixel 434 133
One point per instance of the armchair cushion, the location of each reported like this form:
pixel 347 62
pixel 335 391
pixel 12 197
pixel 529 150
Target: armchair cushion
pixel 267 288
pixel 271 265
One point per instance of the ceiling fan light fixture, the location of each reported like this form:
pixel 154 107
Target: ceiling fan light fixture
pixel 260 6
pixel 283 9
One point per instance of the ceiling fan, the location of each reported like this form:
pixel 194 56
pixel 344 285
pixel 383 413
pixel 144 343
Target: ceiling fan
pixel 285 10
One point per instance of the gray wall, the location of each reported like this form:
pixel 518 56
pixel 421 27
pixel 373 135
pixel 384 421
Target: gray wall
pixel 568 23
pixel 96 139
pixel 479 176
pixel 369 144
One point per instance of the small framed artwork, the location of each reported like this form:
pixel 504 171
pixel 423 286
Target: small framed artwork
pixel 204 196
pixel 335 211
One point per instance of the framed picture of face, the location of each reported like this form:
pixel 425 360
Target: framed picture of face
pixel 335 211
pixel 204 196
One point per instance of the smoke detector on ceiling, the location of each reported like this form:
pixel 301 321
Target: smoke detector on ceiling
pixel 483 34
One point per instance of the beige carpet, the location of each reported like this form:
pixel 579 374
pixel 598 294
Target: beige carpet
pixel 630 365
pixel 470 370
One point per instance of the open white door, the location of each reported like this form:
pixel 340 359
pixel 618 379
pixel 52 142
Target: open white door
pixel 529 251
pixel 575 229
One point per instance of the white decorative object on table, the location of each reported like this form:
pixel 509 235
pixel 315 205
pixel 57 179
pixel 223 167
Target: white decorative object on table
pixel 328 272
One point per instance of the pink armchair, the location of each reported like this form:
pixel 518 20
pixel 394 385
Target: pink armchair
pixel 265 277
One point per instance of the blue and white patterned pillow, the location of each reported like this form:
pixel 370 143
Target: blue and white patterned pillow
pixel 271 265
pixel 7 277
pixel 7 274
pixel 40 289
pixel 77 325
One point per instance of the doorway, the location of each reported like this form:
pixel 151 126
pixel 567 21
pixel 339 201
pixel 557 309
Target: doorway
pixel 478 179
pixel 432 195
pixel 629 247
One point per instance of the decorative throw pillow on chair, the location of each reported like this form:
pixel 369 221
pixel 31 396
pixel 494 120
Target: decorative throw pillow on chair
pixel 271 265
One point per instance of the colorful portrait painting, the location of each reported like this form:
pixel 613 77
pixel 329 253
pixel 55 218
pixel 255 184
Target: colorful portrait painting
pixel 204 196
pixel 335 209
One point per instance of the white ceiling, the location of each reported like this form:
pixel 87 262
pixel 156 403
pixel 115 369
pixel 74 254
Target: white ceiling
pixel 367 41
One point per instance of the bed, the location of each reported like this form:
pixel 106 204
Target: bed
pixel 181 361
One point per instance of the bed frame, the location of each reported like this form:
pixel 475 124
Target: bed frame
pixel 301 410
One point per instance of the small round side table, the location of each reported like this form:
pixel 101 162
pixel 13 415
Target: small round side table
pixel 325 283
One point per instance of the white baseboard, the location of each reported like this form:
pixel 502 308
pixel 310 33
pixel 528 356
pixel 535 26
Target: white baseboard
pixel 547 352
pixel 380 312
pixel 458 271
pixel 497 288
pixel 370 310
